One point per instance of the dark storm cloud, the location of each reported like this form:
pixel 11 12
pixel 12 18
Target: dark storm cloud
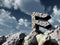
pixel 50 4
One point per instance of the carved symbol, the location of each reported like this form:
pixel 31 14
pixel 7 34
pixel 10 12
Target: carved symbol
pixel 39 19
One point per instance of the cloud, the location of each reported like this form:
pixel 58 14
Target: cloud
pixel 10 3
pixel 49 4
pixel 9 23
pixel 27 6
pixel 24 22
pixel 24 25
pixel 55 20
pixel 17 4
pixel 37 0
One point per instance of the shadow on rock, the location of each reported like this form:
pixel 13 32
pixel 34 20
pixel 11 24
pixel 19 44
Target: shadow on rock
pixel 51 42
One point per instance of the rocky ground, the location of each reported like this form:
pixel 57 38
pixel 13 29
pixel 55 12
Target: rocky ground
pixel 32 39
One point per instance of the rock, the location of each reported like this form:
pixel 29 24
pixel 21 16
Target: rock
pixel 21 36
pixel 31 39
pixel 14 39
pixel 21 39
pixel 41 38
pixel 51 42
pixel 56 35
pixel 2 39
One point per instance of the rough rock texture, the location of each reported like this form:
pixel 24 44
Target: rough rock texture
pixel 37 22
pixel 56 35
pixel 31 39
pixel 2 39
pixel 41 38
pixel 53 38
pixel 14 38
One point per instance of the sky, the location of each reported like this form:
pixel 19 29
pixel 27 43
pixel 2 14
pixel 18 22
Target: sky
pixel 15 15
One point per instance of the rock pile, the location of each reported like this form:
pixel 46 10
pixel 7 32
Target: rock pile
pixel 14 39
pixel 32 39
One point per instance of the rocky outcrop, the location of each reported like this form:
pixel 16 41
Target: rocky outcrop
pixel 41 38
pixel 31 39
pixel 2 39
pixel 14 39
pixel 56 35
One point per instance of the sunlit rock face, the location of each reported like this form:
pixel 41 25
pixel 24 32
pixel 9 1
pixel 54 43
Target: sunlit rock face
pixel 50 32
pixel 41 39
pixel 31 39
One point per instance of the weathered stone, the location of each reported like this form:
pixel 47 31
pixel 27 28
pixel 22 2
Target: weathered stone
pixel 51 42
pixel 14 39
pixel 41 38
pixel 37 21
pixel 2 39
pixel 21 39
pixel 41 16
pixel 31 39
pixel 56 35
pixel 42 24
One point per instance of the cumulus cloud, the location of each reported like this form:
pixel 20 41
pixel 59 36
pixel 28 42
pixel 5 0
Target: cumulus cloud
pixel 24 22
pixel 55 20
pixel 10 3
pixel 27 6
pixel 9 23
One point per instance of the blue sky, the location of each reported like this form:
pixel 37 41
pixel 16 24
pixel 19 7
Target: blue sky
pixel 15 14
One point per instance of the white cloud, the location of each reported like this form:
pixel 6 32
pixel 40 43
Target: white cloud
pixel 56 11
pixel 21 21
pixel 55 20
pixel 7 3
pixel 9 23
pixel 24 22
pixel 11 3
pixel 17 4
pixel 27 6
pixel 51 21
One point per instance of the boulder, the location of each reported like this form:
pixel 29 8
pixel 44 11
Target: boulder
pixel 41 38
pixel 14 39
pixel 2 39
pixel 31 39
pixel 21 39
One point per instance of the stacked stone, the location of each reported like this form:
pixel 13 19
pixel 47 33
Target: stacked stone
pixel 35 20
pixel 43 39
pixel 34 38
